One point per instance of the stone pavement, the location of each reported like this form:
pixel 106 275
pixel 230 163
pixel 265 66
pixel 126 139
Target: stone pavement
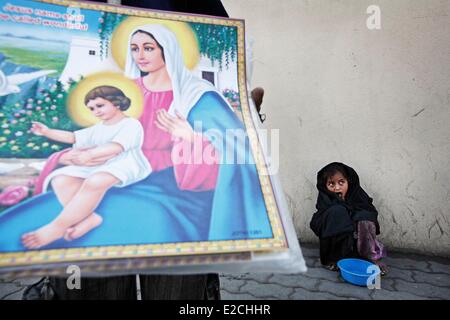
pixel 411 276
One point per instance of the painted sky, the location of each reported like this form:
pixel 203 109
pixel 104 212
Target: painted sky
pixel 45 32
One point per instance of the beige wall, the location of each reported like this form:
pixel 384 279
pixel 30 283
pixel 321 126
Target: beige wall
pixel 377 100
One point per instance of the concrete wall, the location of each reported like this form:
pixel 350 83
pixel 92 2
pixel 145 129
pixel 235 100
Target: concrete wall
pixel 378 100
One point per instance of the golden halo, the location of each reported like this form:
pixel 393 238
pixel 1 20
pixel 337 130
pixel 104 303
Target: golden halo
pixel 78 111
pixel 185 35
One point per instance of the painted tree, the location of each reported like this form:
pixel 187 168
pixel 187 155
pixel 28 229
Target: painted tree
pixel 217 42
pixel 107 23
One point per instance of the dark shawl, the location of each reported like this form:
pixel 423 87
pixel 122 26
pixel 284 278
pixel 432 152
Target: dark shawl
pixel 335 216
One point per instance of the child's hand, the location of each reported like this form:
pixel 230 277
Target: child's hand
pixel 38 128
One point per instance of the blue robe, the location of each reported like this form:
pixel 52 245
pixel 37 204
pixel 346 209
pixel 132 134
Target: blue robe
pixel 155 210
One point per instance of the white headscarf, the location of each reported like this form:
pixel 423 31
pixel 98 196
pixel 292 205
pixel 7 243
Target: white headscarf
pixel 187 88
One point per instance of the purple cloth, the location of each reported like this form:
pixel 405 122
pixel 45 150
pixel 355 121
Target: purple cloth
pixel 368 245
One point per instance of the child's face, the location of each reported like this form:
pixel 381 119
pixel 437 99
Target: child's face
pixel 338 184
pixel 102 109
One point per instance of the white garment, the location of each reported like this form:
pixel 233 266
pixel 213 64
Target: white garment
pixel 187 88
pixel 129 166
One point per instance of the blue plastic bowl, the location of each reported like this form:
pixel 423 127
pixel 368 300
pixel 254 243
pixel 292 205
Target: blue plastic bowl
pixel 357 271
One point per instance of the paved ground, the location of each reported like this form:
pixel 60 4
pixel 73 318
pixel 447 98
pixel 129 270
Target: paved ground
pixel 411 277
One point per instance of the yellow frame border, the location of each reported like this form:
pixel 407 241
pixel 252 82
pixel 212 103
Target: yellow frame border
pixel 278 242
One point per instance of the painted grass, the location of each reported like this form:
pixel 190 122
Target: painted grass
pixel 38 59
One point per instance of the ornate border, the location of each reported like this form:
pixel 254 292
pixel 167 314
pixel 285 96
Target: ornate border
pixel 278 242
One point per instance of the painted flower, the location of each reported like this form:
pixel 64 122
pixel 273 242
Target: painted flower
pixel 30 100
pixel 13 121
pixel 31 144
pixel 45 144
pixel 55 119
pixel 13 194
pixel 17 115
pixel 2 139
pixel 38 108
pixel 53 107
pixel 59 95
pixel 100 20
pixel 5 125
pixel 36 148
pixel 14 148
pixel 19 133
pixel 55 147
pixel 29 113
pixel 6 131
pixel 12 142
pixel 47 99
pixel 39 102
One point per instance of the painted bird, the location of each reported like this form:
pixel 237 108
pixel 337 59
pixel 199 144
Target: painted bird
pixel 10 84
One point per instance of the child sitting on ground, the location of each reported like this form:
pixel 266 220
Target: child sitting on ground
pixel 346 220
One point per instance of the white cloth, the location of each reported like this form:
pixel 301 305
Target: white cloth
pixel 129 166
pixel 187 88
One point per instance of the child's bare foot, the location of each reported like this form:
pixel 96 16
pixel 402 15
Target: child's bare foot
pixel 42 236
pixel 383 268
pixel 81 228
pixel 332 267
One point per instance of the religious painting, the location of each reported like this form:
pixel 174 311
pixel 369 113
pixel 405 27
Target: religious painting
pixel 126 134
